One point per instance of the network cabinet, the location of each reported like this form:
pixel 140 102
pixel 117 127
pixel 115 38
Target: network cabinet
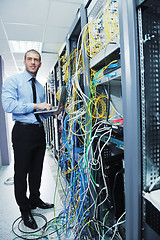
pixel 148 23
pixel 107 143
pixel 89 65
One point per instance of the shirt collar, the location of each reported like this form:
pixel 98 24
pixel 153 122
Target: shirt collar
pixel 28 76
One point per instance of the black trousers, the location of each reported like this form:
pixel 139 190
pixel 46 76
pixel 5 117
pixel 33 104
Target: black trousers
pixel 29 148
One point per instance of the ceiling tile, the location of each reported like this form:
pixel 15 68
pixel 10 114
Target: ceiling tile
pixel 18 11
pixel 24 32
pixel 50 47
pixel 62 14
pixel 55 34
pixel 35 20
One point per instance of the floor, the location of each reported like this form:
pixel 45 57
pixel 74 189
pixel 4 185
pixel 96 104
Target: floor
pixel 11 226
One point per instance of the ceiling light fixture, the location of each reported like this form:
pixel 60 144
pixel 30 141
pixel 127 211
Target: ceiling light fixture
pixel 24 46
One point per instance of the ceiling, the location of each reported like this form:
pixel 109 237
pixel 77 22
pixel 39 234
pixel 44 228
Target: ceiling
pixel 46 21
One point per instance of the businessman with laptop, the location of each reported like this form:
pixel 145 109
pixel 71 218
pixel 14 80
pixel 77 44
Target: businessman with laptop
pixel 23 95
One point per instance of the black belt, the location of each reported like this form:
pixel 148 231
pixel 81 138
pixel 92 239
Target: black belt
pixel 29 124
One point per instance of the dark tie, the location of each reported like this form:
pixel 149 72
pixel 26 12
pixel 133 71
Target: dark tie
pixel 34 97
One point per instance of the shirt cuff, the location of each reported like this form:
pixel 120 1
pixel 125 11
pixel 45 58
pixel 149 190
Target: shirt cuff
pixel 30 107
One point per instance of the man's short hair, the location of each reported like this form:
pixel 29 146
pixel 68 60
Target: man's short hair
pixel 34 51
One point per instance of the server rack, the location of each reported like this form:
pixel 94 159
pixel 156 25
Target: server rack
pixel 131 111
pixel 134 149
pixel 112 51
pixel 55 104
pixel 55 79
pixel 148 22
pixel 141 82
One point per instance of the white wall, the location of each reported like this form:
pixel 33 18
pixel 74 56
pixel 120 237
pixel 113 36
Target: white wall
pixel 5 142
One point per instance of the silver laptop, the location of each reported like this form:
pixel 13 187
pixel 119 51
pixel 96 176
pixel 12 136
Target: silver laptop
pixel 55 108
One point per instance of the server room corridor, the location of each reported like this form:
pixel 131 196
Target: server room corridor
pixel 9 211
pixel 89 71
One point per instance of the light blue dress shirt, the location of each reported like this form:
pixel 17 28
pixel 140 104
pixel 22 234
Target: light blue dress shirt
pixel 17 97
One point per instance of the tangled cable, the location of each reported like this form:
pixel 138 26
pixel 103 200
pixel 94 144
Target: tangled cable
pixel 86 119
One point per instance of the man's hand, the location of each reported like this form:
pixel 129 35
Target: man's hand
pixel 59 110
pixel 42 106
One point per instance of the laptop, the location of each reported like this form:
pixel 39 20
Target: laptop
pixel 55 108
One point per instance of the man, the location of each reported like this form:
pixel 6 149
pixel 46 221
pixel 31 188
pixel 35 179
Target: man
pixel 22 94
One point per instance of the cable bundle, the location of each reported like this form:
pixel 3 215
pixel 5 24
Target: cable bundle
pixel 85 121
pixel 103 30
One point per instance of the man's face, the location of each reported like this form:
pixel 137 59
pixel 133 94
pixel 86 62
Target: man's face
pixel 32 63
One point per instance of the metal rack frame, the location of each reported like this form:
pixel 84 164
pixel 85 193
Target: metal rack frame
pixel 131 113
pixel 130 75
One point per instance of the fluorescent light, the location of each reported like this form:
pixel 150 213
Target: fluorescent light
pixel 24 46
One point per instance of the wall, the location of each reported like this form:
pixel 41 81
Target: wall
pixel 5 154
